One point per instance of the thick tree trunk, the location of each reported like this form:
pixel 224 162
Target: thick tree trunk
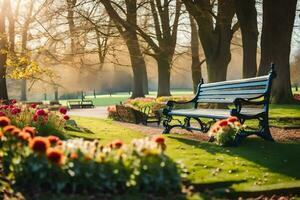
pixel 196 64
pixel 278 21
pixel 217 70
pixel 24 90
pixel 3 56
pixel 247 16
pixel 138 65
pixel 164 75
pixel 215 35
pixel 128 31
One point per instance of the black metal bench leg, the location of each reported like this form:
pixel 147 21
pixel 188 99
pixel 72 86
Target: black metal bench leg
pixel 265 130
pixel 167 125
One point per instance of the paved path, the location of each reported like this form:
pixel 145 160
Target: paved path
pixel 97 112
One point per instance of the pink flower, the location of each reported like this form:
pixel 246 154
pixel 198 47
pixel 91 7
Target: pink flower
pixel 2 113
pixel 40 112
pixel 63 110
pixel 66 117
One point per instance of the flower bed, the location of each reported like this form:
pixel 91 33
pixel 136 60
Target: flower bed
pixel 46 122
pixel 297 97
pixel 78 166
pixel 154 103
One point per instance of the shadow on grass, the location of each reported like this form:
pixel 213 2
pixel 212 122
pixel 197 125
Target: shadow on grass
pixel 281 158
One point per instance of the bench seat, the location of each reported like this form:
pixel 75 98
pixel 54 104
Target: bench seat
pixel 213 113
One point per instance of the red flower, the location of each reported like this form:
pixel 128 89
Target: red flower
pixel 66 117
pixel 13 101
pixel 15 111
pixel 223 123
pixel 35 118
pixel 159 139
pixel 2 114
pixel 33 105
pixel 55 155
pixel 63 110
pixel 117 144
pixel 39 144
pixel 53 139
pixel 40 112
pixel 30 130
pixel 4 107
pixel 4 121
pixel 232 119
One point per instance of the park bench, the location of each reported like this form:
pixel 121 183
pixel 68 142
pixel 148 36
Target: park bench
pixel 249 99
pixel 77 104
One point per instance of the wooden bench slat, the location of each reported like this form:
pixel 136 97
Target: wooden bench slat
pixel 231 82
pixel 220 97
pixel 213 113
pixel 231 93
pixel 261 84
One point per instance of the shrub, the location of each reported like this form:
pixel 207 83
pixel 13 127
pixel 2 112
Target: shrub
pixel 77 165
pixel 224 131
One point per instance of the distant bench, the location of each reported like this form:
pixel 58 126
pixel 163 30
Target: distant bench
pixel 73 104
pixel 241 94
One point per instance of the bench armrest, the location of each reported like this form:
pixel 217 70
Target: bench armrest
pixel 240 102
pixel 171 103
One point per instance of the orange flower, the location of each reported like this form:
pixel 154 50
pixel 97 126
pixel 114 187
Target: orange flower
pixel 30 130
pixel 53 139
pixel 4 121
pixel 223 123
pixel 15 131
pixel 8 128
pixel 24 136
pixel 1 134
pixel 117 144
pixel 73 155
pixel 55 155
pixel 39 144
pixel 159 139
pixel 232 119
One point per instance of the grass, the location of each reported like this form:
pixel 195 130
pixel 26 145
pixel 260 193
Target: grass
pixel 255 165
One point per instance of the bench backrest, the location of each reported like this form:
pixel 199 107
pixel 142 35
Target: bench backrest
pixel 227 91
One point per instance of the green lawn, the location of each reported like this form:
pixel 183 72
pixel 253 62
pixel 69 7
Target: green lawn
pixel 253 166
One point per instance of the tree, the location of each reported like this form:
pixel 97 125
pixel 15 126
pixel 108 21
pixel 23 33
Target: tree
pixel 215 33
pixel 127 28
pixel 3 52
pixel 278 21
pixel 196 64
pixel 247 17
pixel 164 44
pixel 25 30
